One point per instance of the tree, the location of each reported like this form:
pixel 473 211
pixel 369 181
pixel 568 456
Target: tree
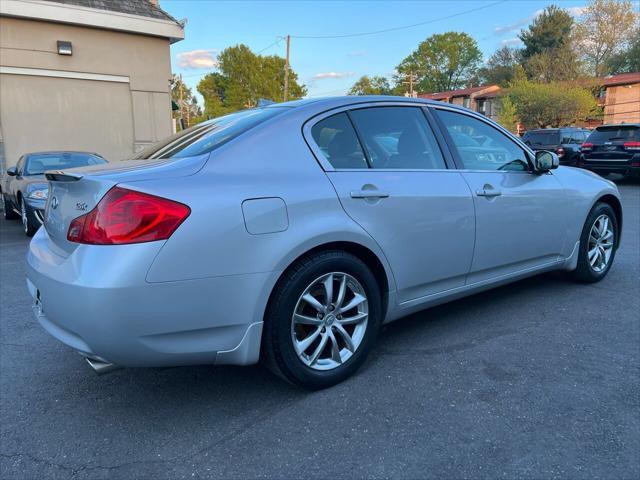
pixel 549 31
pixel 501 67
pixel 553 66
pixel 508 116
pixel 550 105
pixel 182 95
pixel 243 79
pixel 628 60
pixel 444 61
pixel 606 28
pixel 371 86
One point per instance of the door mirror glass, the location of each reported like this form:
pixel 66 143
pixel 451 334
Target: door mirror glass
pixel 546 161
pixel 12 172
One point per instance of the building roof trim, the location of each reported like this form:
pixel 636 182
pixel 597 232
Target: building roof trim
pixel 92 17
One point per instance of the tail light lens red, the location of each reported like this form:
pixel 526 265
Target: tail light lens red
pixel 631 145
pixel 560 151
pixel 125 216
pixel 586 146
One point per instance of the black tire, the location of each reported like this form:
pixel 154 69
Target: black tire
pixel 584 272
pixel 7 209
pixel 28 225
pixel 278 352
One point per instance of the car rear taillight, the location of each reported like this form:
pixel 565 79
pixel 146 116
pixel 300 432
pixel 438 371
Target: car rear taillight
pixel 560 151
pixel 631 145
pixel 125 216
pixel 586 146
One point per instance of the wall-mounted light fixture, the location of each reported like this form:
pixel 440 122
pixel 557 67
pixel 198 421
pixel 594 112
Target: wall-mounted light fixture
pixel 64 48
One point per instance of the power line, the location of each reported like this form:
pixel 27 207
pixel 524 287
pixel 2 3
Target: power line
pixel 394 29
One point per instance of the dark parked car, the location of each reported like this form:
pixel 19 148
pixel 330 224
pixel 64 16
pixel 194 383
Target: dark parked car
pixel 25 189
pixel 613 149
pixel 565 142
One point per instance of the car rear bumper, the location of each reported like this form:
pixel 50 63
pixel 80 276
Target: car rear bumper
pixel 612 166
pixel 110 311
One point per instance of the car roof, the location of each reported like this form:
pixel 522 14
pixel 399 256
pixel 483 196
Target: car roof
pixel 615 125
pixel 58 152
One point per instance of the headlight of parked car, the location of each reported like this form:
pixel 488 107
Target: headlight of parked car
pixel 38 191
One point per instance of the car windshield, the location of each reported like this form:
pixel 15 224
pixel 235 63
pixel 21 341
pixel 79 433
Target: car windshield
pixel 39 163
pixel 207 136
pixel 613 133
pixel 542 137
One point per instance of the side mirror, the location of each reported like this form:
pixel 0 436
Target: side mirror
pixel 12 172
pixel 546 161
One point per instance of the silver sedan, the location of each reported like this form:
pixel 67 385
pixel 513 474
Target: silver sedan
pixel 291 233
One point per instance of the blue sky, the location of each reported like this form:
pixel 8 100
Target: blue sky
pixel 329 66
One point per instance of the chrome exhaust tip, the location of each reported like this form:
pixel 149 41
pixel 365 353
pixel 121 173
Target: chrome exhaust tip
pixel 100 366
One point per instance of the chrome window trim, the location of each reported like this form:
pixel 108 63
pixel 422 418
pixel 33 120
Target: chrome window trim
pixel 324 163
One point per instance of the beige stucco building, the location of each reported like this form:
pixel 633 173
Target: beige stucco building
pixel 88 75
pixel 622 98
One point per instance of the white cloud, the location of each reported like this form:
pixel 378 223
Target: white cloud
pixel 510 42
pixel 324 75
pixel 197 59
pixel 576 11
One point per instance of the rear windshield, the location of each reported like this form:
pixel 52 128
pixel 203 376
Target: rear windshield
pixel 39 163
pixel 551 137
pixel 206 136
pixel 613 133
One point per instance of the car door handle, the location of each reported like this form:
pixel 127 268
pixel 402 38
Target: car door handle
pixel 369 194
pixel 487 192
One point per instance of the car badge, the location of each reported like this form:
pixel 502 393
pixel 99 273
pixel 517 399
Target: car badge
pixel 54 202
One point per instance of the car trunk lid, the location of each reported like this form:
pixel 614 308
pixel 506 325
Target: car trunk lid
pixel 76 191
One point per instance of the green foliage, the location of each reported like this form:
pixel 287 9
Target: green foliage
pixel 550 105
pixel 508 116
pixel 182 95
pixel 243 79
pixel 606 29
pixel 444 61
pixel 628 60
pixel 553 66
pixel 501 67
pixel 371 86
pixel 550 31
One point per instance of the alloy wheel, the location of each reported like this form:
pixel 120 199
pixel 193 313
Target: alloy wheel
pixel 329 321
pixel 600 245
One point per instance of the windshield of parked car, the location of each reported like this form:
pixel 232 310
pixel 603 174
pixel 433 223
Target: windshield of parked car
pixel 542 137
pixel 615 132
pixel 207 136
pixel 38 163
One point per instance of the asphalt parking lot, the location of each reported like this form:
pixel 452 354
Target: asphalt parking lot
pixel 539 379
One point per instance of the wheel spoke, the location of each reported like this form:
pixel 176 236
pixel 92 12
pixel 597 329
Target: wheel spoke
pixel 304 344
pixel 316 353
pixel 342 291
pixel 353 320
pixel 592 254
pixel 355 301
pixel 328 290
pixel 607 235
pixel 346 337
pixel 311 300
pixel 306 320
pixel 605 226
pixel 335 349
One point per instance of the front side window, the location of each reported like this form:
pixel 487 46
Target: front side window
pixel 480 146
pixel 398 138
pixel 338 142
pixel 38 163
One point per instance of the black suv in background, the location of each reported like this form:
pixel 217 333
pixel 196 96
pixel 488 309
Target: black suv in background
pixel 613 149
pixel 565 142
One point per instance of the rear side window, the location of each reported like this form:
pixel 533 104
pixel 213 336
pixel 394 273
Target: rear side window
pixel 542 137
pixel 338 142
pixel 207 136
pixel 623 133
pixel 398 138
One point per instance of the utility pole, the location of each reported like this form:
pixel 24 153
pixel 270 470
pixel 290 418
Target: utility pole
pixel 286 70
pixel 181 103
pixel 411 77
